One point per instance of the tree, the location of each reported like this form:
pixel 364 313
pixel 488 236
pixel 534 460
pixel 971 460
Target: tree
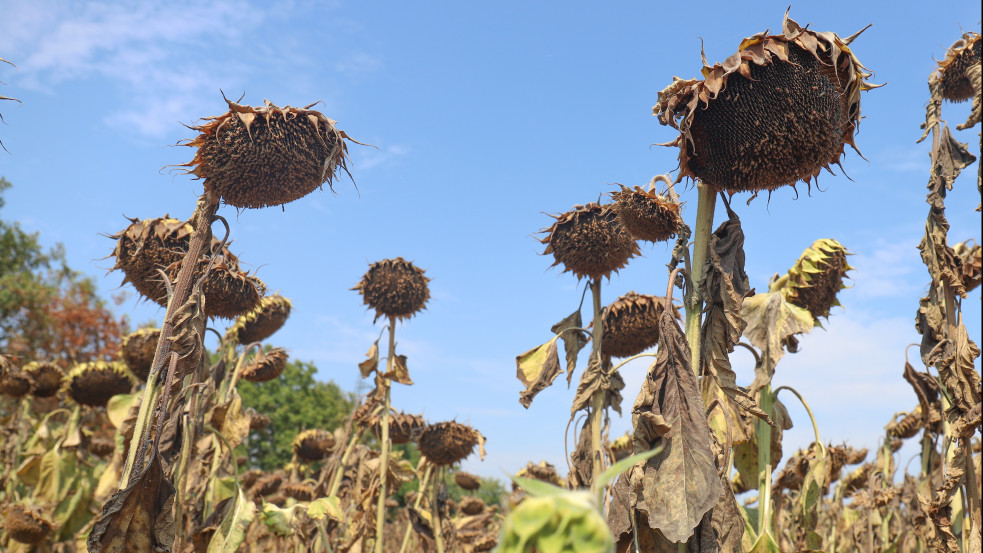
pixel 294 402
pixel 48 311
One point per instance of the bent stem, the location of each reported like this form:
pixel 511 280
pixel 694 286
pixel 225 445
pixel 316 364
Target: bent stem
pixel 416 504
pixel 597 400
pixel 380 514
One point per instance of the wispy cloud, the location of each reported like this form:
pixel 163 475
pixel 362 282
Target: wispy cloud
pixel 358 63
pixel 888 269
pixel 369 158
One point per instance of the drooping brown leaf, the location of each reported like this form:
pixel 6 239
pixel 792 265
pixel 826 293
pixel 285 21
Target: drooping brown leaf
pixel 138 518
pixel 930 323
pixel 724 287
pixel 940 509
pixel 927 390
pixel 400 373
pixel 598 377
pixel 230 419
pixel 959 376
pixel 771 321
pixel 372 363
pixel 537 369
pixel 678 486
pixel 573 340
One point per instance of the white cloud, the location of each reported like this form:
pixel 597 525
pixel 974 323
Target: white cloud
pixel 369 157
pixel 358 63
pixel 888 269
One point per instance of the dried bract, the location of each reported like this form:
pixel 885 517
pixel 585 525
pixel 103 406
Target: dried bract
pixel 266 366
pixel 776 112
pixel 590 241
pixel 267 155
pixel 265 319
pixel 138 351
pixel 94 383
pixel 953 77
pixel 394 288
pixel 446 443
pixel 313 445
pixel 46 378
pixel 631 324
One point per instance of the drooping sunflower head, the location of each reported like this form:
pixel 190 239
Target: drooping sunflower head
pixel 817 277
pixel 954 78
pixel 138 351
pixel 264 320
pixel 631 324
pixel 543 471
pixel 15 383
pixel 403 427
pixel 647 215
pixel 622 447
pixel 590 241
pixel 300 491
pixel 394 288
pixel 446 443
pixel 313 445
pixel 267 155
pixel 46 377
pixel 776 112
pixel 265 366
pixel 95 382
pixel 25 525
pixel 467 481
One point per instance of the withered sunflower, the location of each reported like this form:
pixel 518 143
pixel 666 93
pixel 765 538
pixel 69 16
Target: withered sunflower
pixel 647 215
pixel 394 288
pixel 95 382
pixel 446 443
pixel 267 155
pixel 265 366
pixel 631 324
pixel 817 277
pixel 138 351
pixel 263 320
pixel 26 525
pixel 46 377
pixel 590 241
pixel 467 481
pixel 954 79
pixel 776 112
pixel 313 445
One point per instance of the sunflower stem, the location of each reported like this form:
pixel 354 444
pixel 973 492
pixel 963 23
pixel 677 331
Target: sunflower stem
pixel 764 462
pixel 380 514
pixel 416 505
pixel 597 400
pixel 438 530
pixel 707 201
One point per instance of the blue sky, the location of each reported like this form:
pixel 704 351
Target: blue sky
pixel 485 117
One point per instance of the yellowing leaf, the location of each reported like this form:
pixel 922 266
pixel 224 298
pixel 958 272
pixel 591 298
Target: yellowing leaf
pixel 232 532
pixel 371 364
pixel 326 507
pixel 771 320
pixel 537 369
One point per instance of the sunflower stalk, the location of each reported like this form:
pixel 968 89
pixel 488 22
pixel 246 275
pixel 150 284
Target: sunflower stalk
pixel 385 445
pixel 416 505
pixel 597 400
pixel 706 204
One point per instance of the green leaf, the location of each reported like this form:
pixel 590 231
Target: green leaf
pixel 326 507
pixel 765 544
pixel 232 532
pixel 537 488
pixel 537 369
pixel 278 521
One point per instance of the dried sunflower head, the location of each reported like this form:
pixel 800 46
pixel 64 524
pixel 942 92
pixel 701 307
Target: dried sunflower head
pixel 446 443
pixel 299 491
pixel 631 324
pixel 776 112
pixel 467 481
pixel 544 471
pixel 470 505
pixel 394 288
pixel 622 447
pixel 313 445
pixel 266 484
pixel 138 351
pixel 266 366
pixel 102 447
pixel 647 215
pixel 263 320
pixel 25 525
pixel 403 427
pixel 816 278
pixel 267 155
pixel 590 241
pixel 15 384
pixel 953 76
pixel 46 377
pixel 94 383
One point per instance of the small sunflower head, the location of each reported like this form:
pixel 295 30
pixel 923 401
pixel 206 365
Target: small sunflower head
pixel 622 447
pixel 467 481
pixel 446 443
pixel 544 472
pixel 778 111
pixel 403 427
pixel 471 505
pixel 817 277
pixel 953 75
pixel 631 324
pixel 46 377
pixel 26 525
pixel 262 156
pixel 15 384
pixel 264 320
pixel 394 288
pixel 138 351
pixel 313 445
pixel 590 241
pixel 94 383
pixel 647 215
pixel 299 491
pixel 266 366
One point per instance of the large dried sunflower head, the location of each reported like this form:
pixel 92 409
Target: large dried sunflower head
pixel 138 351
pixel 590 241
pixel 817 277
pixel 776 112
pixel 266 366
pixel 46 377
pixel 647 215
pixel 631 324
pixel 954 78
pixel 263 320
pixel 471 505
pixel 446 443
pixel 313 445
pixel 267 155
pixel 94 383
pixel 544 471
pixel 394 288
pixel 25 525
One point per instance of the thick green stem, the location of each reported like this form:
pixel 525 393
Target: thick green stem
pixel 416 505
pixel 706 203
pixel 380 514
pixel 764 463
pixel 597 400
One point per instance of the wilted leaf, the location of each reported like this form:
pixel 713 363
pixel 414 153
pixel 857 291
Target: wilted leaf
pixel 537 369
pixel 959 376
pixel 595 378
pixel 400 373
pixel 372 363
pixel 771 320
pixel 278 520
pixel 326 507
pixel 230 419
pixel 573 341
pixel 232 532
pixel 678 486
pixel 138 518
pixel 119 407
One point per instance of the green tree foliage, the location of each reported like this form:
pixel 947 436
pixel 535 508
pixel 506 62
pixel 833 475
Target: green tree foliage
pixel 492 492
pixel 294 402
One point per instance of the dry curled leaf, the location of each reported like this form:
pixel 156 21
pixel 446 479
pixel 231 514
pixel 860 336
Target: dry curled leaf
pixel 537 369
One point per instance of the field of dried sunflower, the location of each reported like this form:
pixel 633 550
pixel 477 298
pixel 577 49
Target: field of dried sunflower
pixel 140 453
